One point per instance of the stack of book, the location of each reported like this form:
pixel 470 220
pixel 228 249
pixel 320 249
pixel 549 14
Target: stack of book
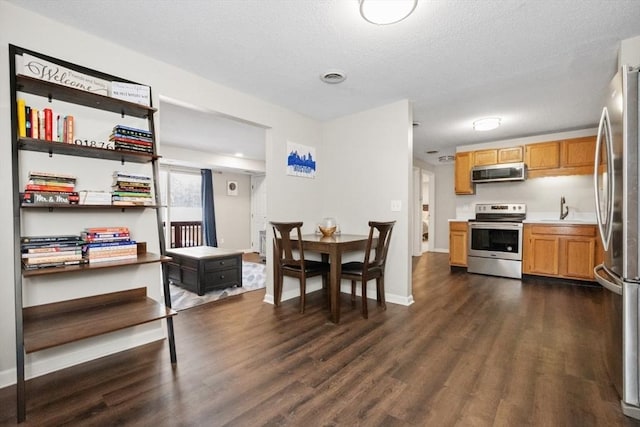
pixel 44 124
pixel 50 188
pixel 51 251
pixel 131 189
pixel 104 244
pixel 132 139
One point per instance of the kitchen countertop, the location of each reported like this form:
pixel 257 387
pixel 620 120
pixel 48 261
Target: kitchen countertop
pixel 546 221
pixel 560 221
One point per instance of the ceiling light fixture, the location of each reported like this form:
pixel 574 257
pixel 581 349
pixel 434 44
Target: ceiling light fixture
pixel 488 123
pixel 448 158
pixel 385 12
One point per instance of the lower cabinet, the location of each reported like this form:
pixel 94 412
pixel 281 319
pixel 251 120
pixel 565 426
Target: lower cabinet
pixel 458 243
pixel 564 251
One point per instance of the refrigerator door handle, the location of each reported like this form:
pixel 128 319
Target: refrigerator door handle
pixel 609 282
pixel 605 229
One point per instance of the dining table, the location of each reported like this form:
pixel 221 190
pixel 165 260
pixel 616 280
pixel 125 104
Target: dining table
pixel 331 250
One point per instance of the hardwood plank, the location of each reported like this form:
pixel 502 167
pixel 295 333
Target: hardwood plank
pixel 472 350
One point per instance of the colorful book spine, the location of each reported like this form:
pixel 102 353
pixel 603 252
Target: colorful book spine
pixel 27 118
pixel 68 129
pixel 48 124
pixel 45 197
pixel 22 125
pixel 49 188
pixel 34 123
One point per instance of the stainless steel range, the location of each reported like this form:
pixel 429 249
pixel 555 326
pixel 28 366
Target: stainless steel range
pixel 495 240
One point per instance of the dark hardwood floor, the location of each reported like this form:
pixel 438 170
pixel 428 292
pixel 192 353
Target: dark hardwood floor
pixel 472 351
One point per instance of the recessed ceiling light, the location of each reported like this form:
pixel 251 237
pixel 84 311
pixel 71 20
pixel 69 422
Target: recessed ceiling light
pixel 333 76
pixel 416 124
pixel 385 12
pixel 239 155
pixel 487 123
pixel 431 151
pixel 448 158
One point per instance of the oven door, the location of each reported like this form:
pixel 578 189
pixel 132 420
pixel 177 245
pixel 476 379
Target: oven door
pixel 499 240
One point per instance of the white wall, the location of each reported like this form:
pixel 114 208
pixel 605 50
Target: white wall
pixel 367 165
pixel 28 30
pixel 233 213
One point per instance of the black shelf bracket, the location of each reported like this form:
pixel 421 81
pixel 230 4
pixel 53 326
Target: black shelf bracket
pixel 50 97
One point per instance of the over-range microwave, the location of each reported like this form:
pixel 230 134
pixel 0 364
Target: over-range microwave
pixel 499 173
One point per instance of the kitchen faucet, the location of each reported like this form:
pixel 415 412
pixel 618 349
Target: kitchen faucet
pixel 564 210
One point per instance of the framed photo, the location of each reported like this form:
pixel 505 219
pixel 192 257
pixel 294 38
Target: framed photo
pixel 232 188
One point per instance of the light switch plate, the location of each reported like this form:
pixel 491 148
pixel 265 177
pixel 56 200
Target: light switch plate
pixel 396 205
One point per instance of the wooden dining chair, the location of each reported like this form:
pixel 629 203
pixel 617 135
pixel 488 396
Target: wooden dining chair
pixel 371 268
pixel 285 264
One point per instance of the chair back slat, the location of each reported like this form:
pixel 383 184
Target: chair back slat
pixel 384 230
pixel 283 244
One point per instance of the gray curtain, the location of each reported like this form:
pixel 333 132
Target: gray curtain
pixel 208 210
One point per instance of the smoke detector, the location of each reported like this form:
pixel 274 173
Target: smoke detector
pixel 333 76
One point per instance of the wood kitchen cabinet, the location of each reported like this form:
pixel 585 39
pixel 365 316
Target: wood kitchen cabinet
pixel 564 251
pixel 493 156
pixel 458 243
pixel 544 155
pixel 573 156
pixel 463 165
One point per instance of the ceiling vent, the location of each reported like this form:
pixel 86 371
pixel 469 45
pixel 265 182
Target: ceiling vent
pixel 333 77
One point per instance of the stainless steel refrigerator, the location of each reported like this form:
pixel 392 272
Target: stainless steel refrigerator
pixel 617 182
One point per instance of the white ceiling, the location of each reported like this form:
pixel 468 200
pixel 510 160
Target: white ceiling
pixel 542 65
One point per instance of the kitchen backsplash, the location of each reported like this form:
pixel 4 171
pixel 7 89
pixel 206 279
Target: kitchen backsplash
pixel 541 195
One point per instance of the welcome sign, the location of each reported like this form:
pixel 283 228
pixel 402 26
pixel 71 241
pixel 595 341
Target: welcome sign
pixel 54 73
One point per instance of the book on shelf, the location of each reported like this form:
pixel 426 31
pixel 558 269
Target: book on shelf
pixel 49 188
pixel 52 249
pixel 76 251
pixel 27 123
pixel 132 131
pixel 134 184
pixel 52 258
pixel 115 258
pixel 44 197
pixel 41 132
pixel 48 124
pixel 57 175
pixel 49 239
pixel 22 130
pixel 130 138
pixel 34 123
pixel 60 128
pixel 109 244
pixel 117 229
pixel 69 124
pixel 110 252
pixel 50 181
pixel 130 176
pixel 29 267
pixel 94 197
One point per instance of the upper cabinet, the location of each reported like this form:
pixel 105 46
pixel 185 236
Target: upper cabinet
pixel 463 165
pixel 573 156
pixel 545 155
pixel 494 156
pixel 565 157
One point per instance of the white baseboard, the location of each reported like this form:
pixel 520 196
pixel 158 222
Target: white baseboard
pixel 441 250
